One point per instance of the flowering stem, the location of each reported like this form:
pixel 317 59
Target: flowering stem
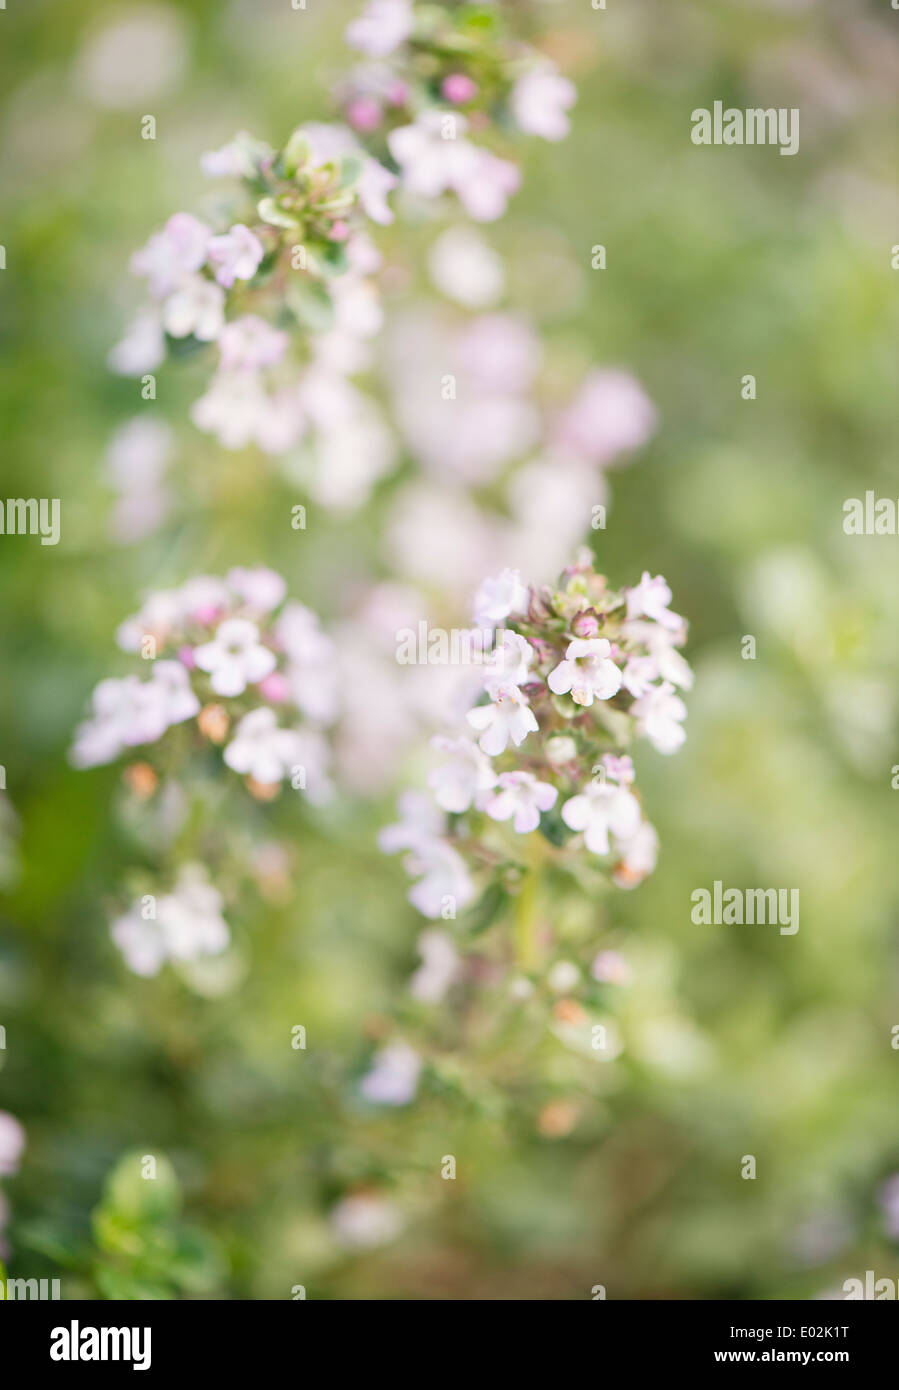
pixel 527 908
pixel 526 921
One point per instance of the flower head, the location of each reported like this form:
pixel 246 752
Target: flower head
pixel 521 799
pixel 540 101
pixel 235 658
pixel 236 256
pixel 587 671
pixel 600 809
pixel 507 717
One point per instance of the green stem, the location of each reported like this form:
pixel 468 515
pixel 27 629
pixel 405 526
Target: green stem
pixel 526 946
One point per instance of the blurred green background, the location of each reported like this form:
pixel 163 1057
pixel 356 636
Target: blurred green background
pixel 721 262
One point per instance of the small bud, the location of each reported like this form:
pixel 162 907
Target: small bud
pixel 561 750
pixel 213 722
pixel 140 779
pixel 557 1119
pixel 569 1011
pixel 458 88
pixel 263 791
pixel 586 624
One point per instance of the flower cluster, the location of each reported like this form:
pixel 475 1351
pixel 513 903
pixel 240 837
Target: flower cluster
pixel 283 289
pixel 437 78
pixel 574 676
pixel 280 275
pixel 227 657
pixel 536 458
pixel 183 925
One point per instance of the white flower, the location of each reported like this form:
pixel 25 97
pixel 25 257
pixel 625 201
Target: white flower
pixel 521 796
pixel 143 347
pixel 375 182
pixel 191 917
pixel 236 410
pixel 201 599
pixel 249 342
pixel 235 658
pixel 466 269
pixel 197 306
pixel 638 675
pixel 312 670
pixel 12 1144
pixel 661 643
pixel 610 968
pixel 484 182
pixel 610 415
pixel 138 453
pixel 140 942
pixel 382 27
pixel 440 966
pixel 185 925
pixel 659 714
pixel 510 662
pixel 600 808
pixel 365 1220
pixel 178 250
pixel 620 769
pixel 444 879
pixel 499 597
pixel 434 159
pixel 261 589
pixel 587 671
pixel 236 255
pixel 261 749
pixel 508 717
pixel 539 101
pixel 638 856
pixel 178 699
pixel 421 822
pixel 563 977
pixel 160 615
pixel 393 1079
pixel 461 781
pixel 650 599
pixel 426 152
pixel 124 713
pixel 311 758
pixel 237 160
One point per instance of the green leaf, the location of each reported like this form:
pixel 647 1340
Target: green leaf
pixel 351 166
pixel 297 152
pixel 271 212
pixel 553 828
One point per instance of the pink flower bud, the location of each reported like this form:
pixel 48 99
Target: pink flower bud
pixel 186 657
pixel 339 231
pixel 364 114
pixel 459 88
pixel 585 624
pixel 274 688
pixel 206 614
